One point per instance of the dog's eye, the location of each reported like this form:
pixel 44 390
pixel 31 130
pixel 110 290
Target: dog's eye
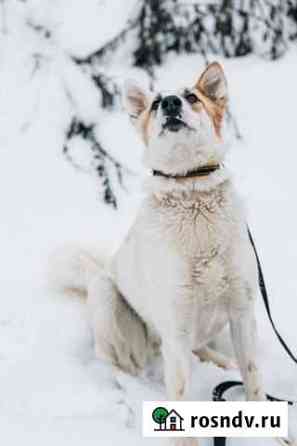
pixel 155 104
pixel 192 98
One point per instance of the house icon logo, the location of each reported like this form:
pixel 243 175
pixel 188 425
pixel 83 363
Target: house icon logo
pixel 168 421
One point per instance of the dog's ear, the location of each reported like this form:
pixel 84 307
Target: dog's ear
pixel 213 84
pixel 135 99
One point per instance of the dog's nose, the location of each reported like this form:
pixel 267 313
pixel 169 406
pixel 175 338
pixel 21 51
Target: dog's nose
pixel 171 105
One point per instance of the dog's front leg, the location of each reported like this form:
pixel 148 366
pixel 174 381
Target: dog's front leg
pixel 177 356
pixel 244 337
pixel 177 369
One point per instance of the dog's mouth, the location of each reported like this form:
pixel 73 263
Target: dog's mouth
pixel 174 124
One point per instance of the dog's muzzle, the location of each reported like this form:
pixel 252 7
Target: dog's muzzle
pixel 173 124
pixel 171 108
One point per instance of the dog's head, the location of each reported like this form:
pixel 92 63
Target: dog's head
pixel 182 130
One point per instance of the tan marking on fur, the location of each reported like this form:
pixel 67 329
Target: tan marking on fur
pixel 181 388
pixel 251 367
pixel 215 110
pixel 144 122
pixel 257 392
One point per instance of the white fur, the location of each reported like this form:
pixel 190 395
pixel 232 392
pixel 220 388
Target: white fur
pixel 121 337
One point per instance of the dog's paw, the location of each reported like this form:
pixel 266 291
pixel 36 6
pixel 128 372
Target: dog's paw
pixel 229 364
pixel 207 354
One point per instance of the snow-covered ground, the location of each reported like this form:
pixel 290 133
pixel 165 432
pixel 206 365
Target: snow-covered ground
pixel 52 390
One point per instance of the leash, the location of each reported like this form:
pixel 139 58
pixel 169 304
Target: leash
pixel 266 300
pixel 220 389
pixel 218 395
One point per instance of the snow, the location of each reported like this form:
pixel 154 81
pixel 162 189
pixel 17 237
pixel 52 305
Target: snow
pixel 52 389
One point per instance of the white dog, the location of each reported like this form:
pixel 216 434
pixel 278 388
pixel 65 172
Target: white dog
pixel 186 268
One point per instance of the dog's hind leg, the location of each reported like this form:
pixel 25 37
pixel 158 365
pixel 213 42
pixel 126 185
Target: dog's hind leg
pixel 120 335
pixel 207 354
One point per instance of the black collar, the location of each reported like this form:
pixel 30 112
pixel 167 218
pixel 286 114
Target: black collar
pixel 200 172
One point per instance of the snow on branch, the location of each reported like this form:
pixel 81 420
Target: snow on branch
pixel 229 28
pixel 101 158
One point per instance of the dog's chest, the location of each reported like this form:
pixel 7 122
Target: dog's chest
pixel 200 228
pixel 174 262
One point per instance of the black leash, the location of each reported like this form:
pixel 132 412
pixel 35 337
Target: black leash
pixel 218 395
pixel 220 389
pixel 266 300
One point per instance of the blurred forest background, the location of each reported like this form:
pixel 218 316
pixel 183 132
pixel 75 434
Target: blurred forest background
pixel 149 32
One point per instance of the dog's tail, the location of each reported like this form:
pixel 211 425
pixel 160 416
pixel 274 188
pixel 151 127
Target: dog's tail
pixel 71 268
